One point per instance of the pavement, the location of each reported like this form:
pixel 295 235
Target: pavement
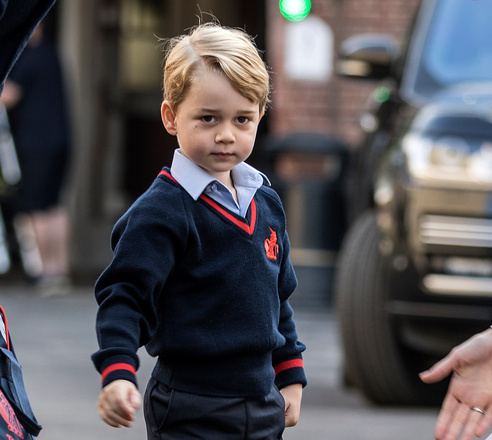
pixel 54 338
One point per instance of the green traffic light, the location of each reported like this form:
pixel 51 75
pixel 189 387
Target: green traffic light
pixel 381 94
pixel 295 10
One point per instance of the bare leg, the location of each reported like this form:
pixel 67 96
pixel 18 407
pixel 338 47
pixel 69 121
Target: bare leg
pixel 51 233
pixel 51 229
pixel 30 256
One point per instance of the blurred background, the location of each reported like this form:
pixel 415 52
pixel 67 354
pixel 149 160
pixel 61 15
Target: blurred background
pixel 112 62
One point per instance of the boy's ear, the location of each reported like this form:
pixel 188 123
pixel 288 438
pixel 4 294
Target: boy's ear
pixel 168 118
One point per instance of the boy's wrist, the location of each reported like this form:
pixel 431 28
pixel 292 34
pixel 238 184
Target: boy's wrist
pixel 294 387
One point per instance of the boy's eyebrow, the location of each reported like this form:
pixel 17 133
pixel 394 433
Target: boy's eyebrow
pixel 216 110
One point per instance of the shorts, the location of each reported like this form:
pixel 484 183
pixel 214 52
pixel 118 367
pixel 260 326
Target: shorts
pixel 176 415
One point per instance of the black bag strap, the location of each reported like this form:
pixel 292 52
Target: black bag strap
pixel 16 394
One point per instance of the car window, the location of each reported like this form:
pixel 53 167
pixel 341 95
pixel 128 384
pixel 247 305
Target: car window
pixel 459 43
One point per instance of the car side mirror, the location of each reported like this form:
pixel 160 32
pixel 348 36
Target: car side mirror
pixel 369 56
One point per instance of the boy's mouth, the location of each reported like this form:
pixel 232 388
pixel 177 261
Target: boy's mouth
pixel 223 155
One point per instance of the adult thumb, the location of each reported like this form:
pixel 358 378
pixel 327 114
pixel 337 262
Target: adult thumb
pixel 438 371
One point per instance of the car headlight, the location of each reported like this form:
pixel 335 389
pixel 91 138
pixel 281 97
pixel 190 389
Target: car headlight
pixel 449 154
pixel 448 158
pixel 480 163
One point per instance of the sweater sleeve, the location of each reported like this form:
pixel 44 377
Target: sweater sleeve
pixel 143 256
pixel 287 360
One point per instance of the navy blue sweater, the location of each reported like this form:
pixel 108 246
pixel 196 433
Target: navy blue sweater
pixel 205 290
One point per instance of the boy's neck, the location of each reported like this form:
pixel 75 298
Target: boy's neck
pixel 229 183
pixel 232 188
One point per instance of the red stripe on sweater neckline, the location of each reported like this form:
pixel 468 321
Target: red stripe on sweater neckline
pixel 168 175
pixel 241 224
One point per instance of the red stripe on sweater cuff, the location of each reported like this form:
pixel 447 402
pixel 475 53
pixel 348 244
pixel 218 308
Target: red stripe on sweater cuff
pixel 294 363
pixel 116 367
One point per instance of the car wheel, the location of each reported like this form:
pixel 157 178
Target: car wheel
pixel 376 362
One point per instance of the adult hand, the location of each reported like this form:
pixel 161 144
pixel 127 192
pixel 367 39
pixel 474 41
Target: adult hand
pixel 11 95
pixel 470 389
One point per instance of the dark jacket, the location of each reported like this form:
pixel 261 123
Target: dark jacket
pixel 18 19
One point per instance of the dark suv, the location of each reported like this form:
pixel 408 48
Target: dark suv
pixel 414 274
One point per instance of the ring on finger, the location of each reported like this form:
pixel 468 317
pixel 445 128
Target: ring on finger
pixel 478 409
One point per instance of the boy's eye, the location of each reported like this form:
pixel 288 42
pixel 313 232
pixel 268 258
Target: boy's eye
pixel 208 118
pixel 242 119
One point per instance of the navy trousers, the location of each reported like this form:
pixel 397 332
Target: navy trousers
pixel 174 415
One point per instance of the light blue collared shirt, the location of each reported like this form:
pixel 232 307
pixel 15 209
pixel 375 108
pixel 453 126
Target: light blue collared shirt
pixel 195 180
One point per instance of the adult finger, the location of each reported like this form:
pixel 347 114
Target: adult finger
pixel 438 371
pixel 471 425
pixel 484 423
pixel 446 415
pixel 450 425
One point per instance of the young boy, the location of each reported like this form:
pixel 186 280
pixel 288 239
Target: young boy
pixel 201 273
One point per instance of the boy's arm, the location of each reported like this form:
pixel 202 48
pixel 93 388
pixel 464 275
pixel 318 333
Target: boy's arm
pixel 128 289
pixel 288 364
pixel 290 377
pixel 287 360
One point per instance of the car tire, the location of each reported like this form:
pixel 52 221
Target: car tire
pixel 376 362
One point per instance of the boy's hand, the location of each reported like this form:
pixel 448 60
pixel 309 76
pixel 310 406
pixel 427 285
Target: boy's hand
pixel 292 395
pixel 118 403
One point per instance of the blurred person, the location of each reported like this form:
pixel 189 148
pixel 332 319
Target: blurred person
pixel 467 406
pixel 201 273
pixel 34 98
pixel 18 21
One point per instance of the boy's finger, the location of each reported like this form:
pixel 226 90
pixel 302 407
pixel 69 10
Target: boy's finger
pixel 135 399
pixel 115 420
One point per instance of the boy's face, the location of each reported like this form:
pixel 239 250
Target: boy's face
pixel 215 125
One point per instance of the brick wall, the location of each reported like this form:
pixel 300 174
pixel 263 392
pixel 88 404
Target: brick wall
pixel 333 106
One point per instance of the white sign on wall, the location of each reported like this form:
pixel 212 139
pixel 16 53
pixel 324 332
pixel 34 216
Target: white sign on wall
pixel 308 50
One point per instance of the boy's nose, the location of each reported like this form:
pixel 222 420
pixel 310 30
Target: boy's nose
pixel 224 134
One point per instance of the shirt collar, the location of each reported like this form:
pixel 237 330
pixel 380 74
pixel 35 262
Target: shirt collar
pixel 195 179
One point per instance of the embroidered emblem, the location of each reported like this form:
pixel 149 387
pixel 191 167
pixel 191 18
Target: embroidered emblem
pixel 8 414
pixel 271 246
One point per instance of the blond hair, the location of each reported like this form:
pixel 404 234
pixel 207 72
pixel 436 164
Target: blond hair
pixel 228 51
